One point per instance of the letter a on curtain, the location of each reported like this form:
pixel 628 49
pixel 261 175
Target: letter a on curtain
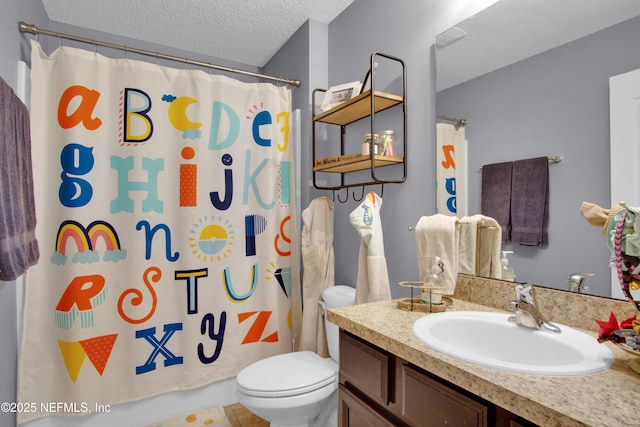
pixel 166 221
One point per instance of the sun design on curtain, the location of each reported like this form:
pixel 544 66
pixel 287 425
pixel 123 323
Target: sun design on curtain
pixel 166 199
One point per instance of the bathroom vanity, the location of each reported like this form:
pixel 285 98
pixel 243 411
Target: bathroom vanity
pixel 379 388
pixel 388 377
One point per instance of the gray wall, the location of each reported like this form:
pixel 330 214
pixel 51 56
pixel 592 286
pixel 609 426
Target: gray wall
pixel 406 30
pixel 304 56
pixel 554 103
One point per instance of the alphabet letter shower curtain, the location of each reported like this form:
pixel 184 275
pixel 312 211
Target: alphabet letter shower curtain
pixel 166 222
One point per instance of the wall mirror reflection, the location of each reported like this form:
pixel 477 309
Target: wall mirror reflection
pixel 532 79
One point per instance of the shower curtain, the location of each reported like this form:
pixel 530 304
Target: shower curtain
pixel 451 170
pixel 166 219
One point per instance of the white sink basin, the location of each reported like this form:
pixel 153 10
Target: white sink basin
pixel 489 339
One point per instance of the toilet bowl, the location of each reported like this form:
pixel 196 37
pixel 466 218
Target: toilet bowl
pixel 297 389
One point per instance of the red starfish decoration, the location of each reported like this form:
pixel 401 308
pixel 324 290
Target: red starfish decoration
pixel 628 323
pixel 607 328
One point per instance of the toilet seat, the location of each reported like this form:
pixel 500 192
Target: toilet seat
pixel 285 375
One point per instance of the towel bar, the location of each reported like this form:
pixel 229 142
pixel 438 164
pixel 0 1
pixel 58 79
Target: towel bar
pixel 488 227
pixel 556 158
pixel 478 238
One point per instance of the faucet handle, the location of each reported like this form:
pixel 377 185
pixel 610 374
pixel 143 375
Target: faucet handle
pixel 525 293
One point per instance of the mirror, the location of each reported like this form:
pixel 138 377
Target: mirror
pixel 532 79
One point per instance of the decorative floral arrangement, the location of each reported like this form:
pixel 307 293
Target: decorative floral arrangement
pixel 626 333
pixel 622 230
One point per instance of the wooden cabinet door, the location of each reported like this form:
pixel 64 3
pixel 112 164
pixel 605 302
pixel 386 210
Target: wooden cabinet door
pixel 426 402
pixel 365 367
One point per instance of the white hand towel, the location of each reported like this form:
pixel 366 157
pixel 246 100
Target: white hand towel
pixel 490 235
pixel 436 237
pixel 372 283
pixel 467 245
pixel 316 246
pixel 480 240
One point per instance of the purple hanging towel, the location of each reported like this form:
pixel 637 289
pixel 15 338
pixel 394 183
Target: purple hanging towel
pixel 530 201
pixel 18 244
pixel 496 195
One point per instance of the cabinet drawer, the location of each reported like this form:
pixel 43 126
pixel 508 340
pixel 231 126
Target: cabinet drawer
pixel 365 367
pixel 426 402
pixel 354 412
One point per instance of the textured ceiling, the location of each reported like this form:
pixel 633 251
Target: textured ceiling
pixel 246 31
pixel 252 31
pixel 513 30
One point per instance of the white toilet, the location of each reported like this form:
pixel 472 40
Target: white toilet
pixel 297 389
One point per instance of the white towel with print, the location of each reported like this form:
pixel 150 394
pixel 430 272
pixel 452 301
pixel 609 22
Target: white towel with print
pixel 436 236
pixel 372 283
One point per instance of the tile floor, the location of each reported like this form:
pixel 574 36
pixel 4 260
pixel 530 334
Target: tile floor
pixel 239 416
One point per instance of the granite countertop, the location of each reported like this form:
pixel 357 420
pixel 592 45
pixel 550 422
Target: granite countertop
pixel 604 399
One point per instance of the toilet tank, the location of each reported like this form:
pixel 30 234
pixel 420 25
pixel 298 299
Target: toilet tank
pixel 336 296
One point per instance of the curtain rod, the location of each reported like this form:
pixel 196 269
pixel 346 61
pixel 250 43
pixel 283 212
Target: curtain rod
pixel 32 29
pixel 461 122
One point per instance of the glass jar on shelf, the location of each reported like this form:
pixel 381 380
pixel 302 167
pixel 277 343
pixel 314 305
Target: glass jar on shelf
pixel 371 140
pixel 387 141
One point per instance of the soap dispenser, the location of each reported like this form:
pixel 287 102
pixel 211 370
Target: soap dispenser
pixel 431 292
pixel 507 272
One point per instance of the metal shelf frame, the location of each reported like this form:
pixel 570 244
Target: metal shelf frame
pixel 367 104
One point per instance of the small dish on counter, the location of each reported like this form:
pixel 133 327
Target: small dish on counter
pixel 430 300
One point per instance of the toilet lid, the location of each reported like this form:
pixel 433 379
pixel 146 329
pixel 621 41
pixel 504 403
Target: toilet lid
pixel 286 374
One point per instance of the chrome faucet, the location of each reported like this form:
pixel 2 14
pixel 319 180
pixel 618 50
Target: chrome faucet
pixel 575 282
pixel 527 314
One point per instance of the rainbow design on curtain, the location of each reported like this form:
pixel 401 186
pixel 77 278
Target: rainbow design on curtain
pixel 167 228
